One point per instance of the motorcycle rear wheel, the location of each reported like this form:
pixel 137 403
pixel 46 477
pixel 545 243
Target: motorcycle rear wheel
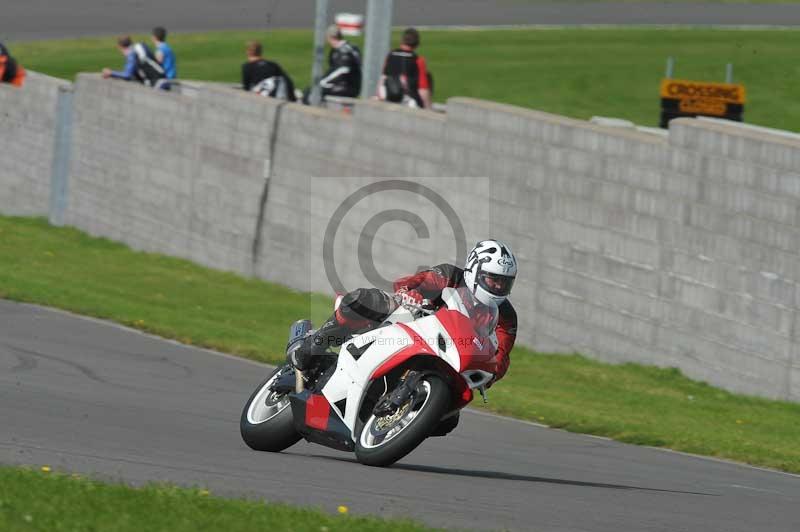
pixel 267 423
pixel 383 441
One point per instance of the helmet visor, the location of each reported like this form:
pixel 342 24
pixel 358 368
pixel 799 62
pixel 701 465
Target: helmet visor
pixel 495 283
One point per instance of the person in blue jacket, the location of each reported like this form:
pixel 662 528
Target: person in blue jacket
pixel 128 72
pixel 140 65
pixel 164 54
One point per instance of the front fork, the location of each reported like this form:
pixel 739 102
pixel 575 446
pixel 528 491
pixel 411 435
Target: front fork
pixel 482 390
pixel 392 401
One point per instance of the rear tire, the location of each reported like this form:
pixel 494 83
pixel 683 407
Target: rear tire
pixel 267 423
pixel 377 446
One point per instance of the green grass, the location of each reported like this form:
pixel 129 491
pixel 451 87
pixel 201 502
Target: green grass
pixel 176 299
pixel 574 72
pixel 162 295
pixel 32 500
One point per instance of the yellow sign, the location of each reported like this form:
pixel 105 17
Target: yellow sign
pixel 702 94
pixel 703 106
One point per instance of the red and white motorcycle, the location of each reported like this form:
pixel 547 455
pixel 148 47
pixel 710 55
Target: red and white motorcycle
pixel 387 390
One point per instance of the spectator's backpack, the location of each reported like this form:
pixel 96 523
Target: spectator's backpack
pixel 395 89
pixel 402 70
pixel 148 70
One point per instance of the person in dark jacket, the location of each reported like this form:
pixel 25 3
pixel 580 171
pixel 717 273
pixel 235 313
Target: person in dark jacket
pixel 405 76
pixel 10 71
pixel 343 77
pixel 264 77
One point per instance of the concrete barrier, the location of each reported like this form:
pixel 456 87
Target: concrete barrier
pixel 177 174
pixel 28 124
pixel 676 250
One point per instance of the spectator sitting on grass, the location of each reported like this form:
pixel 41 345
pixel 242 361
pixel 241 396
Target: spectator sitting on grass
pixel 263 77
pixel 140 64
pixel 10 71
pixel 164 54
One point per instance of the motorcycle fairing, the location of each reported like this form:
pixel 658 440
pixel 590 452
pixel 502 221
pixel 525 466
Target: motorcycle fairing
pixel 389 346
pixel 383 348
pixel 317 421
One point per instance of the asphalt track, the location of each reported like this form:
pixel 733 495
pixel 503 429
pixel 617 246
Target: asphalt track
pixel 86 396
pixel 38 19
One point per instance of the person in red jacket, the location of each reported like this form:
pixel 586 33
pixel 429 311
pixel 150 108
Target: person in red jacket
pixel 489 274
pixel 405 77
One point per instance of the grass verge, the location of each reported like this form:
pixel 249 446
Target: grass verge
pixel 573 72
pixel 33 500
pixel 174 298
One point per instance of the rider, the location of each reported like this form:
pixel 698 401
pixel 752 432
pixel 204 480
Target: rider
pixel 489 274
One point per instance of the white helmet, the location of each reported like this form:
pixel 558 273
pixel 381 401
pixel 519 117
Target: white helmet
pixel 490 271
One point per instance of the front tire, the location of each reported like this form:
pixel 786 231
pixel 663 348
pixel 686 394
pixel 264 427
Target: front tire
pixel 267 423
pixel 384 441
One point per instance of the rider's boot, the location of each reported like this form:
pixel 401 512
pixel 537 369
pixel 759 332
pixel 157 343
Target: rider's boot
pixel 331 333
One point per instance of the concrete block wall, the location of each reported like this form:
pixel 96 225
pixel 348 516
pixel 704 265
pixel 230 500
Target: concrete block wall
pixel 394 141
pixel 557 185
pixel 322 158
pixel 230 173
pixel 176 174
pixel 301 211
pixel 127 163
pixel 27 137
pixel 310 142
pixel 733 261
pixel 675 251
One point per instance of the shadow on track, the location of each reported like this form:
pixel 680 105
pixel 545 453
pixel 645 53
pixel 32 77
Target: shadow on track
pixel 499 475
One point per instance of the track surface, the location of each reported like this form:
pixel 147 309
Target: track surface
pixel 91 397
pixel 37 19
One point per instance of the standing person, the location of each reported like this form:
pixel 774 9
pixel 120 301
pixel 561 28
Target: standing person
pixel 140 64
pixel 343 77
pixel 10 71
pixel 405 74
pixel 164 54
pixel 263 77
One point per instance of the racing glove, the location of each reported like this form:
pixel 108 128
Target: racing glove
pixel 410 297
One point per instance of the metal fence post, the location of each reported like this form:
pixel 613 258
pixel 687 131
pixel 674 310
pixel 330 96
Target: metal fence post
pixel 320 26
pixel 59 176
pixel 376 43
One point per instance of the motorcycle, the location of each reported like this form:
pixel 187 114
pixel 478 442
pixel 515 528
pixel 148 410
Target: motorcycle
pixel 387 390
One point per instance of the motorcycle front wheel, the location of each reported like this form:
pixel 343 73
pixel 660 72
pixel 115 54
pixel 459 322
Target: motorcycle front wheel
pixel 384 440
pixel 267 423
